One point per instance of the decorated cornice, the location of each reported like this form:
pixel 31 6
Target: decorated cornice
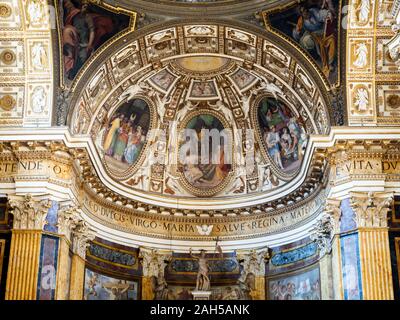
pixel 118 212
pixel 55 160
pixel 174 8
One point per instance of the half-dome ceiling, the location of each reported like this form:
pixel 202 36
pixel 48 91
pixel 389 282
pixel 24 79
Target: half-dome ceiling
pixel 201 124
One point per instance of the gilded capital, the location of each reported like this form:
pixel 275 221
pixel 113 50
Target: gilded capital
pixel 332 208
pixel 323 233
pixel 371 208
pixel 81 237
pixel 253 262
pixel 68 218
pixel 29 212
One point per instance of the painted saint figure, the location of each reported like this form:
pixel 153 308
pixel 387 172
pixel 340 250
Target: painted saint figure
pixel 112 135
pixel 126 134
pixel 85 28
pixel 311 32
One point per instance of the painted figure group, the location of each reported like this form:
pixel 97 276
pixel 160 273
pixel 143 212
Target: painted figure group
pixel 124 139
pixel 283 136
pixel 306 290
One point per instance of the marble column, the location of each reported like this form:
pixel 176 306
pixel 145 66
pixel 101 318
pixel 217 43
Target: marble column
pixel 153 267
pixel 29 219
pixel 371 211
pixel 253 266
pixel 81 237
pixel 325 234
pixel 68 218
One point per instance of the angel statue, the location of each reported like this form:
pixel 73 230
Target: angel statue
pixel 202 281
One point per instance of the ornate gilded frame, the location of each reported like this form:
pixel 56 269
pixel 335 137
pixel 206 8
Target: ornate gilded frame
pixel 134 167
pixel 199 192
pixel 304 53
pixel 102 48
pixel 135 266
pixel 263 149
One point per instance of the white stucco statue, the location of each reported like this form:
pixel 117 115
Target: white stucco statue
pixel 38 100
pixel 362 99
pixel 362 55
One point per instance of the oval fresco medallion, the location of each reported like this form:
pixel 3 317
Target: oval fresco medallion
pixel 282 134
pixel 205 155
pixel 125 136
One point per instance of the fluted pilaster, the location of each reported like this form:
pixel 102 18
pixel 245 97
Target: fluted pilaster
pixel 153 266
pixel 81 237
pixel 29 219
pixel 371 211
pixel 68 217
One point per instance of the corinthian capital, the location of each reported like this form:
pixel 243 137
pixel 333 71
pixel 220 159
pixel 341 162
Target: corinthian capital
pixel 68 218
pixel 154 261
pixel 29 212
pixel 81 237
pixel 371 208
pixel 323 233
pixel 332 208
pixel 253 262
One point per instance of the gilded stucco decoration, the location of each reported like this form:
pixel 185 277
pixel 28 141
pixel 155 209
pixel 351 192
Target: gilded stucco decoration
pixel 26 63
pixel 371 68
pixel 179 70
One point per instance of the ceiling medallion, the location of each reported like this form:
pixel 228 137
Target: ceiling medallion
pixel 7 57
pixel 7 102
pixel 393 101
pixel 5 10
pixel 203 66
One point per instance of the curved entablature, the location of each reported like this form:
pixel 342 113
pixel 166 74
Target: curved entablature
pixel 198 7
pixel 262 102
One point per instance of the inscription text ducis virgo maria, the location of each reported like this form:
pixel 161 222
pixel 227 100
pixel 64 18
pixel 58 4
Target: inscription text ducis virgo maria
pixel 164 227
